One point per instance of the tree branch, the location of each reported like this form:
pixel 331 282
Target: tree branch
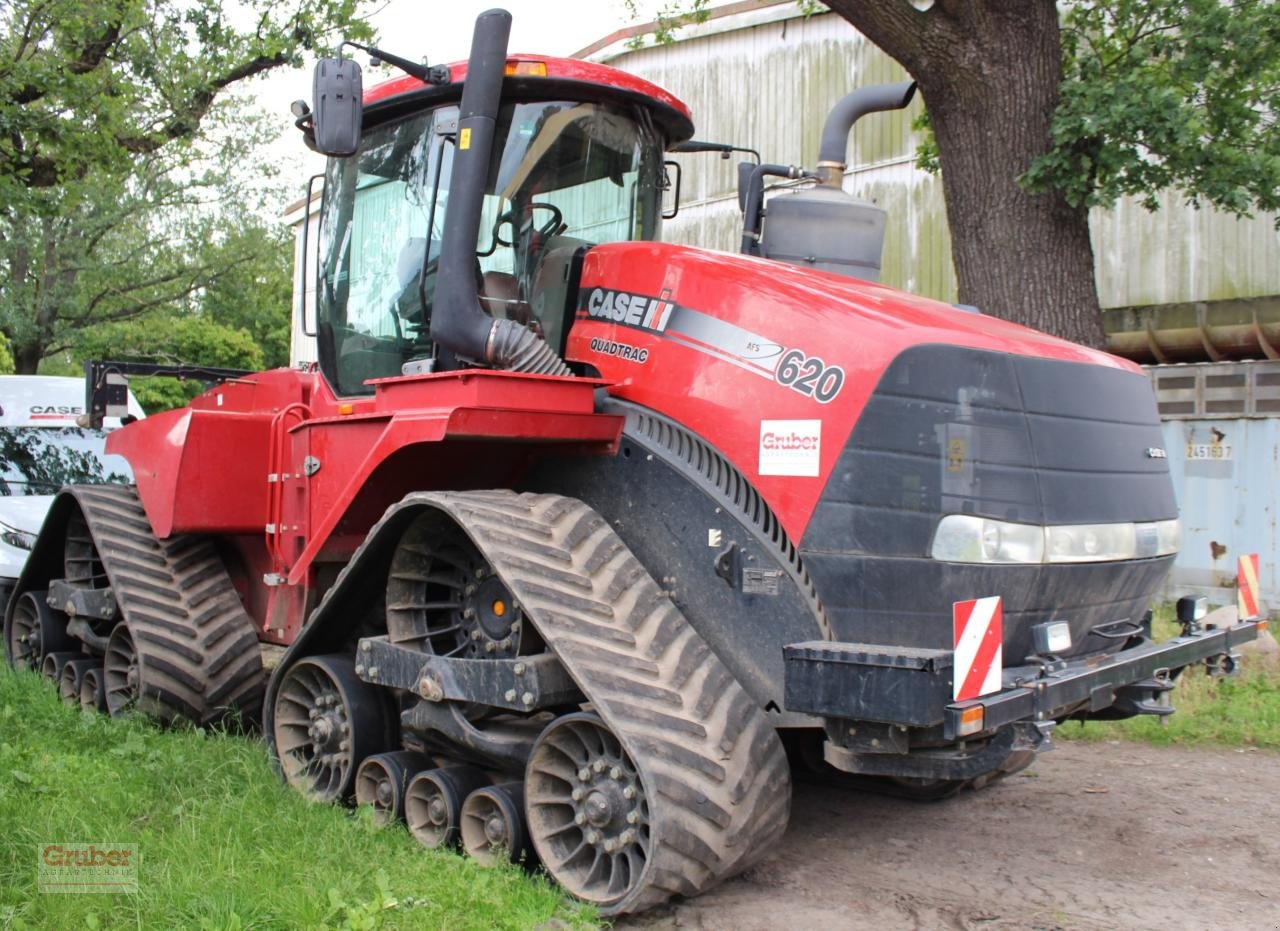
pixel 913 37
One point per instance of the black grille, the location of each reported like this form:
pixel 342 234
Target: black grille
pixel 960 431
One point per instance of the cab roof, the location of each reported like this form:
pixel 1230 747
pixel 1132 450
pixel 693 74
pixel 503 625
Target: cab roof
pixel 564 77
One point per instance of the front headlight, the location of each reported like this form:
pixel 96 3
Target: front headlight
pixel 1090 542
pixel 966 538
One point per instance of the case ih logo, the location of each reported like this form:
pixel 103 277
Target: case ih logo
pixel 636 310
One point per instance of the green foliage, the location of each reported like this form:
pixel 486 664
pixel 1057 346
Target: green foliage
pixel 123 188
pixel 169 337
pixel 1168 94
pixel 86 86
pixel 6 356
pixel 670 17
pixel 223 843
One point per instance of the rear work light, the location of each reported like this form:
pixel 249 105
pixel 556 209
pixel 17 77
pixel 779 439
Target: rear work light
pixel 967 538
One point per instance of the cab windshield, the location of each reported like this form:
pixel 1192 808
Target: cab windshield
pixel 563 176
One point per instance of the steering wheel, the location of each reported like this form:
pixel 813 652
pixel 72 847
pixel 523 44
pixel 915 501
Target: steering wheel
pixel 550 228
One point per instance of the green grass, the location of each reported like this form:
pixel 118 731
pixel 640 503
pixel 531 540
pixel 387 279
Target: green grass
pixel 223 843
pixel 1239 711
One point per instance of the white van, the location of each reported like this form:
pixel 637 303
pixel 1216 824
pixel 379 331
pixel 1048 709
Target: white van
pixel 42 448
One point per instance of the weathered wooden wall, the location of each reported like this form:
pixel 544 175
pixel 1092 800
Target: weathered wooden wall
pixel 766 79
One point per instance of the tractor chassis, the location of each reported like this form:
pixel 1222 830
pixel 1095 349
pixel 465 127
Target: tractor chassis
pixel 882 703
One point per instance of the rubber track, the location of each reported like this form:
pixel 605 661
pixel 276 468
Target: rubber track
pixel 197 647
pixel 714 771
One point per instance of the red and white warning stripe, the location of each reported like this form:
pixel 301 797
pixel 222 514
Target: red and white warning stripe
pixel 979 657
pixel 1247 587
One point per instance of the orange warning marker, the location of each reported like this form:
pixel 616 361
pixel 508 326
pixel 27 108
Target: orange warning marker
pixel 1247 587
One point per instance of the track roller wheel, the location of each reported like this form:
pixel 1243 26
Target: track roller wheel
pixel 492 824
pixel 93 693
pixel 382 779
pixel 34 631
pixel 588 813
pixel 121 674
pixel 71 677
pixel 433 803
pixel 51 665
pixel 326 722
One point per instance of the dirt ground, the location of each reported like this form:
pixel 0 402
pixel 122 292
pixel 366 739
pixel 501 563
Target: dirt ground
pixel 1092 836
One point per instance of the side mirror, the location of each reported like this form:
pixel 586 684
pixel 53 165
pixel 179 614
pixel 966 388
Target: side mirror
pixel 338 101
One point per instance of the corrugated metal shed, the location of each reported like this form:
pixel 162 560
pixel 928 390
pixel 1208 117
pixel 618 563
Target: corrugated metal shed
pixel 766 77
pixel 1222 434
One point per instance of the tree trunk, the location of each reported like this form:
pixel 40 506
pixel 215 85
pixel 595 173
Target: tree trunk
pixel 989 72
pixel 26 358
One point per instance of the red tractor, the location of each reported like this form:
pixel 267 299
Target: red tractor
pixel 574 542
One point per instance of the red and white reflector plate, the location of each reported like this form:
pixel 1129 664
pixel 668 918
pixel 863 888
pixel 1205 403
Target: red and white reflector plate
pixel 979 658
pixel 1247 587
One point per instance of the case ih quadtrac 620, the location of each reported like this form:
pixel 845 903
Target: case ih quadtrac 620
pixel 572 531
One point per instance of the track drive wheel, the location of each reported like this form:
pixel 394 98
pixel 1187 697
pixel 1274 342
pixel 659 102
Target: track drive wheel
pixel 588 810
pixel 433 803
pixel 382 779
pixel 326 722
pixel 492 824
pixel 34 631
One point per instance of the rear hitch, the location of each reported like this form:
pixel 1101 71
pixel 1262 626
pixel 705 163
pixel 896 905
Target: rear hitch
pixel 1148 696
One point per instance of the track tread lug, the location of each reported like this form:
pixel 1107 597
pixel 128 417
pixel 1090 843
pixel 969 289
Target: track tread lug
pixel 717 778
pixel 197 645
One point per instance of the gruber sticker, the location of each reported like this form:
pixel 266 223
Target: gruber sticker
pixel 623 351
pixel 790 447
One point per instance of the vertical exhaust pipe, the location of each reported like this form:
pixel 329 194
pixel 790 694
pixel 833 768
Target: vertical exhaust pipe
pixel 457 321
pixel 847 111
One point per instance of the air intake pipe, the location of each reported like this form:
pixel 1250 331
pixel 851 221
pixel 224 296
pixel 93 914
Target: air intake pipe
pixel 850 109
pixel 458 323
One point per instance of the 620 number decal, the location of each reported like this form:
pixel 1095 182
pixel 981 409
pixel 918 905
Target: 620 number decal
pixel 809 375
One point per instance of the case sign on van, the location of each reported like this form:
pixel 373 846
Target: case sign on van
pixel 790 447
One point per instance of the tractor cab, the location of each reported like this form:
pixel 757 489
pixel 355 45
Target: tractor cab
pixel 576 160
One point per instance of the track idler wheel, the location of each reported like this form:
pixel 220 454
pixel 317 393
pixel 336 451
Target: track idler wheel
pixel 492 824
pixel 327 721
pixel 51 665
pixel 72 676
pixel 588 812
pixel 433 803
pixel 34 631
pixel 93 693
pixel 382 779
pixel 121 672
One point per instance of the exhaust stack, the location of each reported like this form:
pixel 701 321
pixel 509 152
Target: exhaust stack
pixel 850 109
pixel 823 227
pixel 458 323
